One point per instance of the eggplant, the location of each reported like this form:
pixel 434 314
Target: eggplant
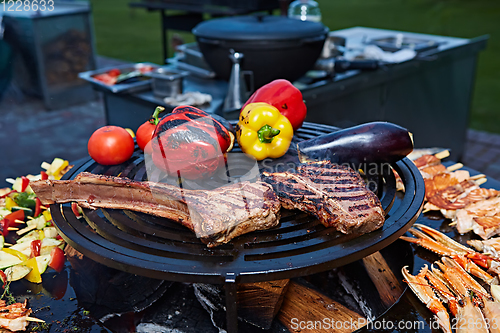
pixel 376 142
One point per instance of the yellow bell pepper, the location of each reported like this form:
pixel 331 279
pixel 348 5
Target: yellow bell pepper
pixel 34 275
pixel 262 131
pixel 16 253
pixel 9 203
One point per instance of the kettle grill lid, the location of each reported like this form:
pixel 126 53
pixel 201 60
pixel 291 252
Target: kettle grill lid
pixel 258 27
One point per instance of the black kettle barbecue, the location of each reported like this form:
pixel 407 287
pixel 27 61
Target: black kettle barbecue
pixel 275 47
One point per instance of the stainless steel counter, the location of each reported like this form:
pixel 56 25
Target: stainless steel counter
pixel 430 95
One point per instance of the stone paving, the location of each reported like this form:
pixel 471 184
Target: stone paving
pixel 482 152
pixel 30 135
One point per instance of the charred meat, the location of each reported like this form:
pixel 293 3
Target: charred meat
pixel 216 216
pixel 336 195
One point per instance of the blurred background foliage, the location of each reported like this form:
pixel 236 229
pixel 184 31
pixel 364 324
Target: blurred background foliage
pixel 133 34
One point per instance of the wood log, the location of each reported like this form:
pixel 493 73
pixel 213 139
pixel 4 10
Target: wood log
pixel 259 303
pixel 383 277
pixel 306 309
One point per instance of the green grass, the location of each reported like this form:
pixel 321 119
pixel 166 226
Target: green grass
pixel 134 34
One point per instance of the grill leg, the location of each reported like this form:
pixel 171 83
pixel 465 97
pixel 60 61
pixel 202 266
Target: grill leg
pixel 231 303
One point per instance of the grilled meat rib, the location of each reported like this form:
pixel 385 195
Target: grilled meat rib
pixel 336 195
pixel 216 216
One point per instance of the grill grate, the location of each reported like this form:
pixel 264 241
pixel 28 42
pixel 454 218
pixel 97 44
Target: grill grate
pixel 159 248
pixel 300 245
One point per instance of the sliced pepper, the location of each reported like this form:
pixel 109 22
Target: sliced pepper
pixel 47 215
pixel 4 227
pixel 24 183
pixel 16 253
pixel 262 131
pixel 13 217
pixel 38 207
pixel 57 166
pixel 7 194
pixel 3 279
pixel 35 247
pixel 26 200
pixel 33 276
pixel 57 259
pixel 9 203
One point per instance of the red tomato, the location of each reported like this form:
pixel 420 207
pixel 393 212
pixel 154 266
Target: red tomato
pixel 144 134
pixel 114 72
pixel 110 145
pixel 57 259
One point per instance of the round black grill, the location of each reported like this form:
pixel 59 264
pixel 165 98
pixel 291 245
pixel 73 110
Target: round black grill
pixel 160 248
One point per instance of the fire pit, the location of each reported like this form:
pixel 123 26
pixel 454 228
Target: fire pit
pixel 158 248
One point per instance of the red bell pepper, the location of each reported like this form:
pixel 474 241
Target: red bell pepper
pixel 57 259
pixel 38 207
pixel 4 227
pixel 12 217
pixel 24 183
pixel 3 279
pixel 7 194
pixel 44 175
pixel 35 247
pixel 284 96
pixel 75 209
pixel 191 143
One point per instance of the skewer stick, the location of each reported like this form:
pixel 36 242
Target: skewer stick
pixel 442 154
pixel 19 221
pixel 25 230
pixel 35 319
pixel 454 167
pixel 481 181
pixel 12 228
pixel 453 224
pixel 7 244
pixel 426 210
pixel 43 207
pixel 476 177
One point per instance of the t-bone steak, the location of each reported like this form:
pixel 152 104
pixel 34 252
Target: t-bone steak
pixel 335 194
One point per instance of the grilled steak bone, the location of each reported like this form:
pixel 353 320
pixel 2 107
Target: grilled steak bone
pixel 335 194
pixel 216 216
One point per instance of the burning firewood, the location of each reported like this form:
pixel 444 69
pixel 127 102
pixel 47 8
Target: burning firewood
pixel 303 305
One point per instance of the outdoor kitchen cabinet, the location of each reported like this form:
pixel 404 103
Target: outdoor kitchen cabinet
pixel 430 95
pixel 50 47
